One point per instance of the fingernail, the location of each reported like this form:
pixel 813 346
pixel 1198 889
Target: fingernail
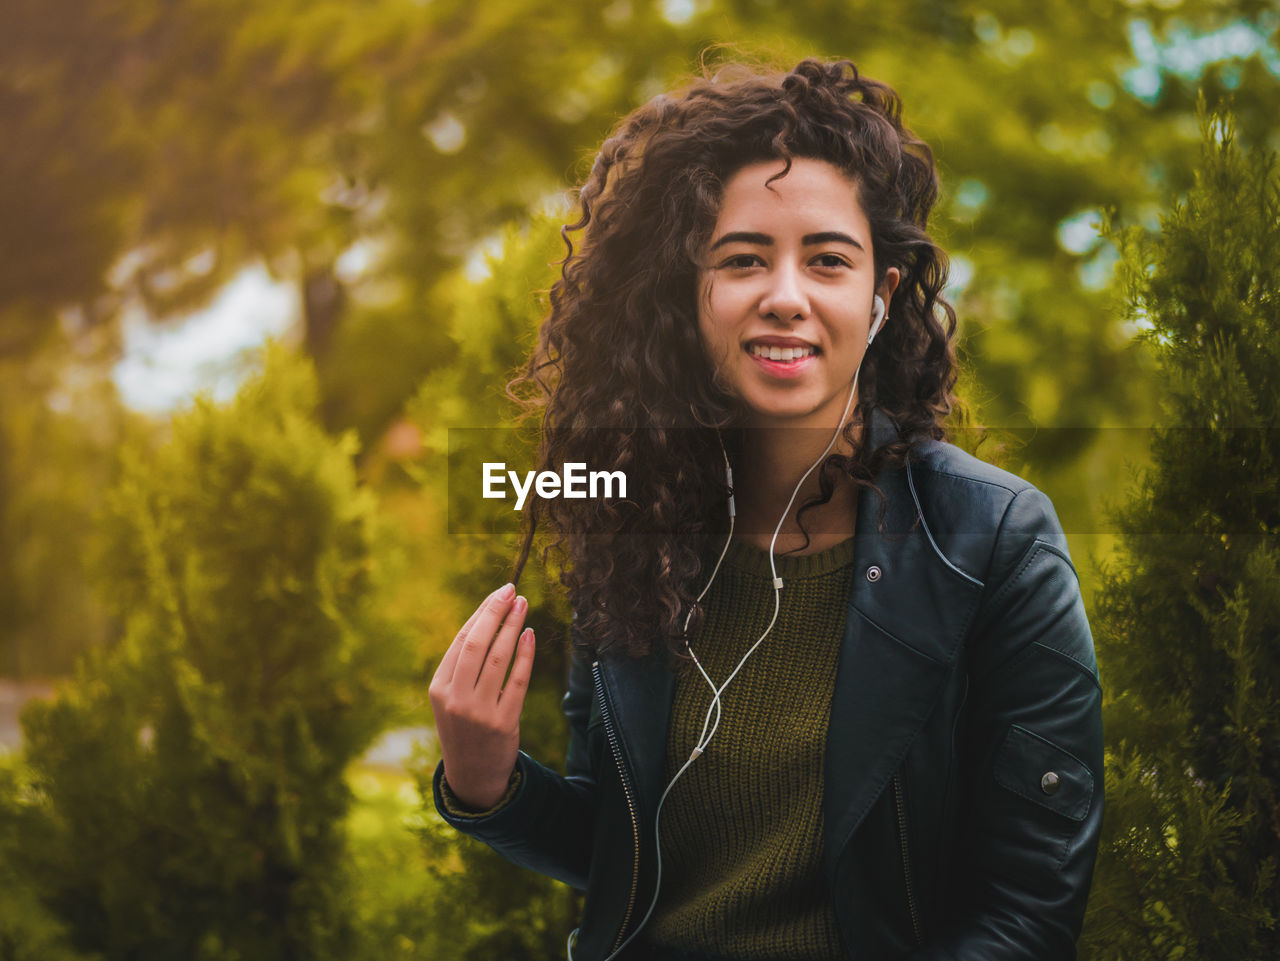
pixel 521 603
pixel 505 592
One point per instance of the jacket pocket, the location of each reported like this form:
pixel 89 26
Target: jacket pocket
pixel 1038 770
pixel 900 814
pixel 1047 794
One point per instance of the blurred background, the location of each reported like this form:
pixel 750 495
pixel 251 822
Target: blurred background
pixel 257 259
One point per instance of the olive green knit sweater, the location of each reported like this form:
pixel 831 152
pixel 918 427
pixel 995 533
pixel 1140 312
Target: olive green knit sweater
pixel 741 831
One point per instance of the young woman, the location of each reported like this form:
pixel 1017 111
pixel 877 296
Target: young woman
pixel 833 693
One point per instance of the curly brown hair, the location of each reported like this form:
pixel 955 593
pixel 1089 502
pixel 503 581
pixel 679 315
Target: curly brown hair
pixel 620 374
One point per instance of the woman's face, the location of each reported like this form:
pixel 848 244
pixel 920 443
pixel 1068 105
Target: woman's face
pixel 785 292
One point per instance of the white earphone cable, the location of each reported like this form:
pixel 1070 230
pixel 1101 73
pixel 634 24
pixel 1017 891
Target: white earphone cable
pixel 705 737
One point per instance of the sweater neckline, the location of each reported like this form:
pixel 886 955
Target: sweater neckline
pixel 752 560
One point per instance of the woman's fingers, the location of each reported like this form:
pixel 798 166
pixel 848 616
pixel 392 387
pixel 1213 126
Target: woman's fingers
pixel 471 659
pixel 448 663
pixel 511 701
pixel 494 667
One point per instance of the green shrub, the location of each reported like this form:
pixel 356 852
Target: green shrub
pixel 191 780
pixel 1190 614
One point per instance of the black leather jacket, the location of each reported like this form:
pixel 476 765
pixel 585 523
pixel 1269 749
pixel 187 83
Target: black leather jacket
pixel 963 792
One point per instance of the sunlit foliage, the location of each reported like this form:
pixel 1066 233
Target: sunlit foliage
pixel 187 787
pixel 1190 610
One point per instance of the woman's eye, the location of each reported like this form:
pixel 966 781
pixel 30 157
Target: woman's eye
pixel 830 260
pixel 741 261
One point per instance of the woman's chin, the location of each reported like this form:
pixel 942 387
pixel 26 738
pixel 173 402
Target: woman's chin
pixel 794 411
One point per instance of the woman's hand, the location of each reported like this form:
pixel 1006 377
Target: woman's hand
pixel 477 719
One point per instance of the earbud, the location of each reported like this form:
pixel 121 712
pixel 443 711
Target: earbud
pixel 877 318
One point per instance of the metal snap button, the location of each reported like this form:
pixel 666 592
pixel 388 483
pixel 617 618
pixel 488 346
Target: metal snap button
pixel 1050 782
pixel 873 573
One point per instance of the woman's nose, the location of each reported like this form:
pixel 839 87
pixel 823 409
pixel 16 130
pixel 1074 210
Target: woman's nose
pixel 784 298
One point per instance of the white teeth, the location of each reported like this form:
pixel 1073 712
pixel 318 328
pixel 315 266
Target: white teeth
pixel 785 354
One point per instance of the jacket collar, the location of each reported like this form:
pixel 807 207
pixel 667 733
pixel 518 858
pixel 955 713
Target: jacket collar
pixel 902 632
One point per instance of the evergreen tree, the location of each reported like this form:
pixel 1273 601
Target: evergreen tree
pixel 1189 625
pixel 188 788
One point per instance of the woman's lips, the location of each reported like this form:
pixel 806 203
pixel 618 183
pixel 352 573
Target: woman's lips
pixel 783 368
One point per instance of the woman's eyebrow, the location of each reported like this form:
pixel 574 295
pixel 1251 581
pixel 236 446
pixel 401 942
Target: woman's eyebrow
pixel 764 240
pixel 829 237
pixel 744 237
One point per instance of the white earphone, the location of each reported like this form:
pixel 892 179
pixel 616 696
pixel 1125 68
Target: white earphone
pixel 877 318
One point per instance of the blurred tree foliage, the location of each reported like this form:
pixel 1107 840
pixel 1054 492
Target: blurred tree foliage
pixel 365 152
pixel 28 930
pixel 1190 611
pixel 187 794
pixel 162 146
pixel 57 442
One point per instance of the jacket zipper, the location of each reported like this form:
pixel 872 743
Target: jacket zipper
pixel 906 861
pixel 631 805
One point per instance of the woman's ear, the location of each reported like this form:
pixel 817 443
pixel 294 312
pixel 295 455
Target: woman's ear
pixel 888 285
pixel 884 293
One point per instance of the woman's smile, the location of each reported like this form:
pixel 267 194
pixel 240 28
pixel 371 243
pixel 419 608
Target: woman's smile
pixel 782 356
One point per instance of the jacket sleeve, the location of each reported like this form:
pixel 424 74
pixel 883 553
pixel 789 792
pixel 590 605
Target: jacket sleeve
pixel 1032 749
pixel 547 825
